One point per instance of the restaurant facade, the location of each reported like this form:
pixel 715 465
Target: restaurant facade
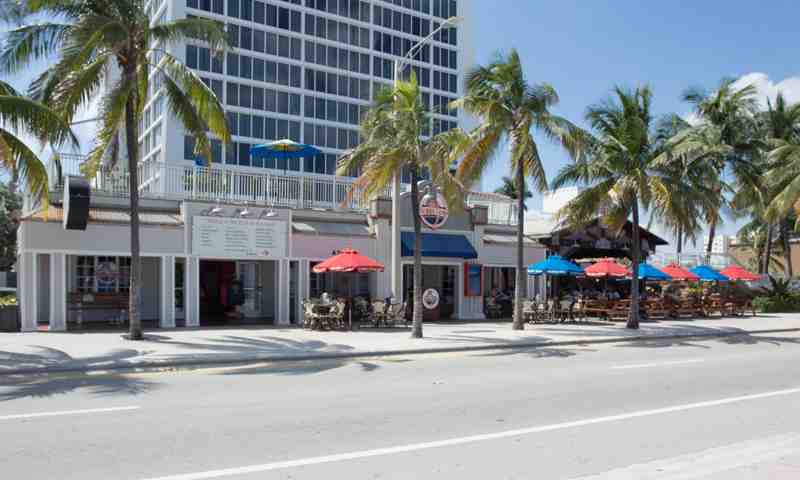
pixel 195 246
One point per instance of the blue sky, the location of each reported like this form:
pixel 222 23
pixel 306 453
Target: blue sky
pixel 584 48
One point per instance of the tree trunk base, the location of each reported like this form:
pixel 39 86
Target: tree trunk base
pixel 134 336
pixel 416 334
pixel 632 324
pixel 517 326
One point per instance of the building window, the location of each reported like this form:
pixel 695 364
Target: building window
pixel 102 274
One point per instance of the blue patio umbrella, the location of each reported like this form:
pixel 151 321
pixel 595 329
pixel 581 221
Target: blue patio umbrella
pixel 649 272
pixel 555 266
pixel 708 274
pixel 284 149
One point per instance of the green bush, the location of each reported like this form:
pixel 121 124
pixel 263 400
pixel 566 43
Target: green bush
pixel 778 304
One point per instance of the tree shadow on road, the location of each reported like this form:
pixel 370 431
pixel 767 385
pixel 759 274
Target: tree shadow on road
pixel 537 352
pixel 307 367
pixel 13 387
pixel 40 357
pixel 756 339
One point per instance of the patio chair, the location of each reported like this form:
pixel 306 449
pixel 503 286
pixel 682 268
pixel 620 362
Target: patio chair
pixel 378 313
pixel 396 313
pixel 529 311
pixel 578 310
pixel 311 319
pixel 713 304
pixel 335 316
pixel 491 308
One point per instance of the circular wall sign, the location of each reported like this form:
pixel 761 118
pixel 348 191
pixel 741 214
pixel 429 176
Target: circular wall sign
pixel 430 298
pixel 433 210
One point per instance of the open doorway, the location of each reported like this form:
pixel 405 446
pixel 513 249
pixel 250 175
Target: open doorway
pixel 237 293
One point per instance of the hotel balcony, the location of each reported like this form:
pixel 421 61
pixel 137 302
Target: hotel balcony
pixel 186 181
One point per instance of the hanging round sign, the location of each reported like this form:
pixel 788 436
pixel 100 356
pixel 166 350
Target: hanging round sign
pixel 430 298
pixel 433 210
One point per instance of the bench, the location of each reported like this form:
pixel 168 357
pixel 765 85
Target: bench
pixel 112 302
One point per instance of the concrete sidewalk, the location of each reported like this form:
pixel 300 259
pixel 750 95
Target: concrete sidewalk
pixel 30 353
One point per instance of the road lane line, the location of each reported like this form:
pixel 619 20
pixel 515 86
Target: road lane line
pixel 227 472
pixel 67 412
pixel 659 364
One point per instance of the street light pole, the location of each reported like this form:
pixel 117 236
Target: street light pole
pixel 397 270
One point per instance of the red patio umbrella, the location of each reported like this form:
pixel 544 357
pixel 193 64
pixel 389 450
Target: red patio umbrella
pixel 606 267
pixel 735 272
pixel 679 273
pixel 349 260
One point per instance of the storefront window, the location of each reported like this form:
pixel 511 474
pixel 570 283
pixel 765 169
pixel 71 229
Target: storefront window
pixel 102 274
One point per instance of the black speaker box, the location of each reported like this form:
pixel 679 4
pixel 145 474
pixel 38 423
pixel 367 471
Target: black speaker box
pixel 77 194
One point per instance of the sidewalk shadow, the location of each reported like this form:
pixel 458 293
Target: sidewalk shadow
pixel 14 387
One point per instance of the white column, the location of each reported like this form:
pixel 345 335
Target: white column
pixel 461 300
pixel 167 317
pixel 58 292
pixel 28 289
pixel 191 292
pixel 283 293
pixel 396 268
pixel 302 287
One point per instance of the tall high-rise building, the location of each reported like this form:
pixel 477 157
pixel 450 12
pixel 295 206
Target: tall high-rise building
pixel 307 71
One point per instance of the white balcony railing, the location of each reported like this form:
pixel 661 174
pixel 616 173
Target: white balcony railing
pixel 186 181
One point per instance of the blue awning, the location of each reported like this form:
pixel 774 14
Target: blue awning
pixel 438 245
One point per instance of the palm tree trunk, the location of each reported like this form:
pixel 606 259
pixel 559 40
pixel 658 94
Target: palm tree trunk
pixel 519 290
pixel 416 330
pixel 787 249
pixel 679 241
pixel 633 318
pixel 131 140
pixel 767 251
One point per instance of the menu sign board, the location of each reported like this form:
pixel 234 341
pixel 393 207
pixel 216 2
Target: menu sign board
pixel 238 238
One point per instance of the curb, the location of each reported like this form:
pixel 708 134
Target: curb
pixel 188 364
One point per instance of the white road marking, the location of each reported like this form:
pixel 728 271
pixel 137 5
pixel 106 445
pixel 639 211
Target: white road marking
pixel 710 462
pixel 659 364
pixel 67 412
pixel 465 440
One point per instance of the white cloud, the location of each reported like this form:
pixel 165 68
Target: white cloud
pixel 768 89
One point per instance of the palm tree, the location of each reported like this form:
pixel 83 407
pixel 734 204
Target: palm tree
pixel 112 42
pixel 509 109
pixel 619 171
pixel 509 189
pixel 19 114
pixel 682 208
pixel 780 130
pixel 721 138
pixel 393 142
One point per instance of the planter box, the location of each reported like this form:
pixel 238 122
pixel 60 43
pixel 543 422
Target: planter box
pixel 9 319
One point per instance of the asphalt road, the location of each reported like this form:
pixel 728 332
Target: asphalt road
pixel 726 408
